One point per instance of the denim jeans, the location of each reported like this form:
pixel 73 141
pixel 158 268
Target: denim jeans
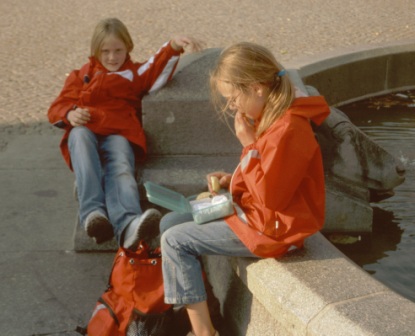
pixel 182 243
pixel 104 168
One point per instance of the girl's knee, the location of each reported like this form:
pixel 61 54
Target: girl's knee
pixel 165 242
pixel 172 219
pixel 166 222
pixel 172 237
pixel 117 150
pixel 80 134
pixel 119 144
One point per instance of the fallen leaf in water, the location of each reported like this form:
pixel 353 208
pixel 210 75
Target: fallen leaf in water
pixel 343 239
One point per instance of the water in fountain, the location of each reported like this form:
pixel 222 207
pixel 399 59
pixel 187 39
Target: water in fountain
pixel 388 252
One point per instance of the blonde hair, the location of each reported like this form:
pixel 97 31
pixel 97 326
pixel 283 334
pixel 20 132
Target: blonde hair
pixel 245 64
pixel 105 28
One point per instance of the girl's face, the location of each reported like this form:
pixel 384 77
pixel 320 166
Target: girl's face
pixel 113 53
pixel 250 104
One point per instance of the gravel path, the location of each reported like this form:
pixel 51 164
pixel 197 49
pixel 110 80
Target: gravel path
pixel 43 40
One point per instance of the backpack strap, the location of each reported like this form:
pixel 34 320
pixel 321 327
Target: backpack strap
pixel 101 300
pixel 81 330
pixel 109 285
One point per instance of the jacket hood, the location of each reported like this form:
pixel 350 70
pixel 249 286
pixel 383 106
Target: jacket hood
pixel 314 108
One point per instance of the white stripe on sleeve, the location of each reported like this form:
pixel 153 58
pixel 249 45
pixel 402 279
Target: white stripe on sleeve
pixel 253 153
pixel 145 66
pixel 164 76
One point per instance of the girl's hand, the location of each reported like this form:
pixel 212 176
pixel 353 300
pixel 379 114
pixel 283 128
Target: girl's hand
pixel 78 117
pixel 224 180
pixel 181 42
pixel 244 130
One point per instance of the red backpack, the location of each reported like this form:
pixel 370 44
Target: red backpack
pixel 133 304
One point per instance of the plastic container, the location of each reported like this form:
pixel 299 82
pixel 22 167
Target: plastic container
pixel 204 210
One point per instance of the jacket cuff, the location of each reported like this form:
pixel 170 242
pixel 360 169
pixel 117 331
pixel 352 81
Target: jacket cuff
pixel 246 149
pixel 64 122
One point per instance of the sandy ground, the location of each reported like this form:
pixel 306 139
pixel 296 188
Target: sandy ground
pixel 43 40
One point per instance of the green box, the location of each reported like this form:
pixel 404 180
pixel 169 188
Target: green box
pixel 202 210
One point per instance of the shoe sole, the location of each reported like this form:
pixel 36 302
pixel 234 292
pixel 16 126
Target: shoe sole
pixel 100 229
pixel 148 229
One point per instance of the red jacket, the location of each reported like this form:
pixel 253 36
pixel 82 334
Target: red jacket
pixel 279 183
pixel 113 98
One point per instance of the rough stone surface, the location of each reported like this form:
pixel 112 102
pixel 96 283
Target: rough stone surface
pixel 315 291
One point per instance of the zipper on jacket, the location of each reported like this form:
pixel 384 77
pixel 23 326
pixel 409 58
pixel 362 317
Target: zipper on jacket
pixel 233 174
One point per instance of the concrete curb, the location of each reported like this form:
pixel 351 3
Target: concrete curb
pixel 361 73
pixel 315 291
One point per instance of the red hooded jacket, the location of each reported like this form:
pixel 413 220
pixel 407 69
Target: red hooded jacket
pixel 113 98
pixel 279 183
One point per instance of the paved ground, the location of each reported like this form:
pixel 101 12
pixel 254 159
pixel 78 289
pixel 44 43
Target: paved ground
pixel 47 289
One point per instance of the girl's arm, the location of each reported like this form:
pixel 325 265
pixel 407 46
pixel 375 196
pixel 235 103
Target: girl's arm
pixel 66 101
pixel 273 175
pixel 159 69
pixel 179 43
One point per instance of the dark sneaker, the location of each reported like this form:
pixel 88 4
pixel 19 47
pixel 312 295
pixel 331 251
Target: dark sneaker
pixel 97 226
pixel 145 227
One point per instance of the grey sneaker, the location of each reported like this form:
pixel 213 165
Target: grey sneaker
pixel 97 226
pixel 145 227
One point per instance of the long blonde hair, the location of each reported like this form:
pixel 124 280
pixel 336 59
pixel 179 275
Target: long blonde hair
pixel 107 27
pixel 245 64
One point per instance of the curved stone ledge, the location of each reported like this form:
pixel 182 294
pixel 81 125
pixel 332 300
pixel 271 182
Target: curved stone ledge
pixel 360 74
pixel 315 291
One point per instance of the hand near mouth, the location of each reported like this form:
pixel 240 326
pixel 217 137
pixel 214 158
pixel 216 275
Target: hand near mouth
pixel 244 130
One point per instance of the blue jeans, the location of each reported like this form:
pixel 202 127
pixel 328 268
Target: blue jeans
pixel 182 243
pixel 104 168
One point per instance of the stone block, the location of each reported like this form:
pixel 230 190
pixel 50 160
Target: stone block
pixel 335 83
pixel 187 128
pixel 361 74
pixel 184 174
pixel 346 214
pixel 306 292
